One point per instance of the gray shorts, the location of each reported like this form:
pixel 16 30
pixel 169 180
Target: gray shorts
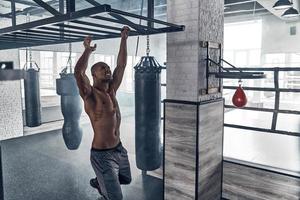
pixel 112 168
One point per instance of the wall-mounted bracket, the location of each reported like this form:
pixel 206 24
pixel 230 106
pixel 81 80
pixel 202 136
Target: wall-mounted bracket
pixel 231 73
pixel 221 73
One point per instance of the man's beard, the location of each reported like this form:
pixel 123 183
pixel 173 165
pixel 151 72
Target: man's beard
pixel 107 80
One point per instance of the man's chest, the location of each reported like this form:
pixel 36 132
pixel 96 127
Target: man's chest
pixel 102 102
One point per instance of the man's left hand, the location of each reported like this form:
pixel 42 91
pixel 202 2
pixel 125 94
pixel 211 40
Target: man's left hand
pixel 125 32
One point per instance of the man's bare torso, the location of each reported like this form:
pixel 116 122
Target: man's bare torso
pixel 103 109
pixel 100 99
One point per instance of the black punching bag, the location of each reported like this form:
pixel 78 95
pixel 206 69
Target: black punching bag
pixel 71 109
pixel 147 114
pixel 32 96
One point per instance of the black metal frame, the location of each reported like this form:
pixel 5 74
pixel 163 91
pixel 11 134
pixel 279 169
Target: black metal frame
pixel 74 25
pixel 261 168
pixel 230 73
pixel 1 176
pixel 276 109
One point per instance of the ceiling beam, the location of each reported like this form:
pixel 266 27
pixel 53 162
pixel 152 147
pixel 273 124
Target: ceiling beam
pixel 13 11
pixel 93 2
pixel 239 3
pixel 33 10
pixel 28 3
pixel 47 7
pixel 245 11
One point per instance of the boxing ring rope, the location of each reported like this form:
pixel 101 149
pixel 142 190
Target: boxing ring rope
pixel 276 109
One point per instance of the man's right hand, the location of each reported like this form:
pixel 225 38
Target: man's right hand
pixel 87 44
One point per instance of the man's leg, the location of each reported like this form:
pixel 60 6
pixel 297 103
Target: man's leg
pixel 112 184
pixel 107 169
pixel 98 169
pixel 124 167
pixel 95 184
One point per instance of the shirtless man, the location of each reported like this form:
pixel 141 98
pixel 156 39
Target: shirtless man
pixel 108 157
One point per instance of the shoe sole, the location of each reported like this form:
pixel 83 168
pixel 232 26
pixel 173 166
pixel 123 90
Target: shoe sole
pixel 95 186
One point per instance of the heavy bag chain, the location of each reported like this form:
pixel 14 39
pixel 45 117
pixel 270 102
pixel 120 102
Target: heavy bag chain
pixel 240 82
pixel 29 50
pixel 64 71
pixel 70 57
pixel 148 46
pixel 138 38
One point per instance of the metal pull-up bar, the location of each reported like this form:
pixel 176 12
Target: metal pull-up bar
pixel 100 21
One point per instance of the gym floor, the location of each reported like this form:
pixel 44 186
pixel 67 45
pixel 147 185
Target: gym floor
pixel 38 167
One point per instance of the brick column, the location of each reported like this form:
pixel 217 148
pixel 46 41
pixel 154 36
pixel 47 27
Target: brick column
pixel 186 72
pixel 193 129
pixel 11 123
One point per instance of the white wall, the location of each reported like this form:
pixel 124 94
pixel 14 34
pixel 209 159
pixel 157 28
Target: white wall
pixel 276 36
pixel 275 33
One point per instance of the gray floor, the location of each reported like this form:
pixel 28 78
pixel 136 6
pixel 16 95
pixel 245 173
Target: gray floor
pixel 273 150
pixel 39 167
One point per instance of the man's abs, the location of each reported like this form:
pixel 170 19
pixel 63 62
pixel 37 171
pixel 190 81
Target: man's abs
pixel 104 113
pixel 106 133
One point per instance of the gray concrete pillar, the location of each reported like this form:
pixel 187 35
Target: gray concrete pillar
pixel 11 123
pixel 193 131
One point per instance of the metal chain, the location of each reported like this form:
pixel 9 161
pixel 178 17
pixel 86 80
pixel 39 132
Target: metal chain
pixel 138 38
pixel 28 49
pixel 240 82
pixel 148 46
pixel 30 55
pixel 70 57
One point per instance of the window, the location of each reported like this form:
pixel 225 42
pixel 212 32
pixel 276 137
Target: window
pixel 22 56
pixel 128 79
pixel 243 48
pixel 254 57
pixel 274 60
pixel 62 59
pixel 241 58
pixel 46 70
pixel 243 35
pixel 108 59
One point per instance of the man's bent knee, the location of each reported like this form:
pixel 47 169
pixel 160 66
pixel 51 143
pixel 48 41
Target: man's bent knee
pixel 116 196
pixel 125 180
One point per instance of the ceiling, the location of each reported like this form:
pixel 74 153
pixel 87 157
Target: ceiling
pixel 243 7
pixel 231 7
pixel 29 6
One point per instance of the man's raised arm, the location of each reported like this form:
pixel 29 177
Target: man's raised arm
pixel 122 59
pixel 82 80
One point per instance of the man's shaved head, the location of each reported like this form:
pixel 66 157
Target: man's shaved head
pixel 98 65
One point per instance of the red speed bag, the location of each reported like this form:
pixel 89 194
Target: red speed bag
pixel 239 98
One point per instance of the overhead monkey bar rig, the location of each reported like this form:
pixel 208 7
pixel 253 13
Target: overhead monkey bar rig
pixel 100 21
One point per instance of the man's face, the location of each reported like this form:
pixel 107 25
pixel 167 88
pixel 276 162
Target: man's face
pixel 101 72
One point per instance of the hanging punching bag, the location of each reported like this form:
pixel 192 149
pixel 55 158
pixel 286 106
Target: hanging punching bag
pixel 32 95
pixel 71 109
pixel 239 98
pixel 147 114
